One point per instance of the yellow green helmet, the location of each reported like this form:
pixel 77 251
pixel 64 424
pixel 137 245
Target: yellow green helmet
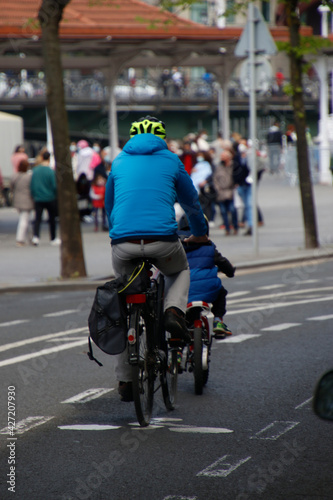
pixel 148 125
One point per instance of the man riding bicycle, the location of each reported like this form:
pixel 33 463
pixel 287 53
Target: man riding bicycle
pixel 145 181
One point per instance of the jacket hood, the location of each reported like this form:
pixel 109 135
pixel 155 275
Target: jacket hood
pixel 144 144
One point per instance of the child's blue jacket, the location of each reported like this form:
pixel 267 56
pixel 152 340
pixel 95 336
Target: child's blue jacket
pixel 205 283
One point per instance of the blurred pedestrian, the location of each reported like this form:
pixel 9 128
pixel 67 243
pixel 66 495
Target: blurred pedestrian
pixel 224 187
pixel 22 200
pixel 97 194
pixel 201 141
pixel 187 157
pixel 274 145
pixel 243 182
pixel 18 155
pixel 44 193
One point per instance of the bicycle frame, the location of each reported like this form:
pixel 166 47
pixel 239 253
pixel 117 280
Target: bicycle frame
pixel 195 356
pixel 147 346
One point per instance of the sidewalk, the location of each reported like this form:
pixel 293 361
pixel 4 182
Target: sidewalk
pixel 281 240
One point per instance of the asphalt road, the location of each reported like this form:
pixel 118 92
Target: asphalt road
pixel 251 435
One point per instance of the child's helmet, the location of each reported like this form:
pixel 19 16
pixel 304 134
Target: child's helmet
pixel 148 125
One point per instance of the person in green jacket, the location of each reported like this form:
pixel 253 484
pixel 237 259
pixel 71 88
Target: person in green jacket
pixel 44 193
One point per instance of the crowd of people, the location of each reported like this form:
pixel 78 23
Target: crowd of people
pixel 220 172
pixel 34 189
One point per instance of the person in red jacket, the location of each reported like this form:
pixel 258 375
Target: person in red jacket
pixel 97 195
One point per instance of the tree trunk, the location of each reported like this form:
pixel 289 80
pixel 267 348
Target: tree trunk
pixel 72 259
pixel 296 63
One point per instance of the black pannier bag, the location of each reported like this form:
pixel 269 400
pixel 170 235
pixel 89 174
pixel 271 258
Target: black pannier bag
pixel 107 318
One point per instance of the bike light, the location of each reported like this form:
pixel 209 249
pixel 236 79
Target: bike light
pixel 131 336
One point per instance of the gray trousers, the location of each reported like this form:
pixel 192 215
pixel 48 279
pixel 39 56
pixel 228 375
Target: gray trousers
pixel 170 258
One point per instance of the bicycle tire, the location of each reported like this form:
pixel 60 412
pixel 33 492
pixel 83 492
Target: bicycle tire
pixel 169 379
pixel 205 373
pixel 197 361
pixel 143 375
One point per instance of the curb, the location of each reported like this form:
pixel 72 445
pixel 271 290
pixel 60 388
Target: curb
pixel 93 283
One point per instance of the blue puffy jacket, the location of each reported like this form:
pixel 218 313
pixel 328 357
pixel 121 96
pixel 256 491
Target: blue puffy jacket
pixel 205 284
pixel 145 181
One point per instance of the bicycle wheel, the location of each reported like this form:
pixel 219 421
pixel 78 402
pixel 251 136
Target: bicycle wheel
pixel 143 371
pixel 169 378
pixel 205 369
pixel 197 360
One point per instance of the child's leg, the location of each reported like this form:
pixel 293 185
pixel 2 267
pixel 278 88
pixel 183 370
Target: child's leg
pixel 219 310
pixel 96 218
pixel 224 214
pixel 104 224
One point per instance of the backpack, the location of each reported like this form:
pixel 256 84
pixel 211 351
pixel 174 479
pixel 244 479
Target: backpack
pixel 107 320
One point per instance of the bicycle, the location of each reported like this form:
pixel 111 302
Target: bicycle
pixel 196 355
pixel 149 352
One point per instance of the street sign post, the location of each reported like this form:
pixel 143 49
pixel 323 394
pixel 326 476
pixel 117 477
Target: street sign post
pixel 255 39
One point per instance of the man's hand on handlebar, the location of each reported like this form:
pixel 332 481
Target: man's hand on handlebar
pixel 197 239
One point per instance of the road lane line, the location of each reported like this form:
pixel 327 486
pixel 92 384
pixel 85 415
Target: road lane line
pixel 280 327
pixel 278 305
pixel 32 340
pixel 198 430
pixel 222 468
pixel 44 352
pixel 87 395
pixel 26 424
pixel 305 403
pixel 88 427
pixel 238 338
pixel 238 294
pixel 60 313
pixel 320 318
pixel 270 287
pixel 281 294
pixel 15 322
pixel 274 430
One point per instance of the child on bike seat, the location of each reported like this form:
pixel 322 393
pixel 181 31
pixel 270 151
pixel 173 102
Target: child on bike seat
pixel 205 262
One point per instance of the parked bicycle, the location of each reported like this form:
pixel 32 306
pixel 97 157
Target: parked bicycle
pixel 152 358
pixel 195 357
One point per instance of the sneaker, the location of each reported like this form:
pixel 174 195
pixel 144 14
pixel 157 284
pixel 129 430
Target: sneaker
pixel 174 322
pixel 35 241
pixel 220 330
pixel 125 391
pixel 56 242
pixel 248 232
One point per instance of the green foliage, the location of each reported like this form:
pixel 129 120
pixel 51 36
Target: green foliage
pixel 32 23
pixel 308 45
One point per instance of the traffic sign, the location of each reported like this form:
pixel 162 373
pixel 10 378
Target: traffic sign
pixel 263 40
